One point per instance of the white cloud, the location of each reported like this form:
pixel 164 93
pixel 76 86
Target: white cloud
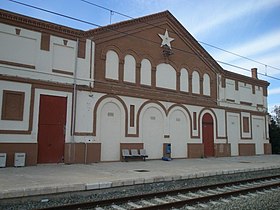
pixel 257 46
pixel 228 12
pixel 274 91
pixel 269 59
pixel 264 49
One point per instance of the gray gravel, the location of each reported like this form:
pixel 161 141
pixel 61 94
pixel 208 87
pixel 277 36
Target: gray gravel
pixel 268 201
pixel 95 195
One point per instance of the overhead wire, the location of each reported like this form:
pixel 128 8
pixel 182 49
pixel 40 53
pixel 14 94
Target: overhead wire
pixel 99 26
pixel 55 13
pixel 227 51
pixel 238 55
pixel 105 8
pixel 131 35
pixel 232 65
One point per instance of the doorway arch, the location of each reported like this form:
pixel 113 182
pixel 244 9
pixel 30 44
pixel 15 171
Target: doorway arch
pixel 152 132
pixel 208 135
pixel 110 131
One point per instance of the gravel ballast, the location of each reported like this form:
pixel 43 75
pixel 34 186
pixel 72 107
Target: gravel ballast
pixel 37 202
pixel 268 201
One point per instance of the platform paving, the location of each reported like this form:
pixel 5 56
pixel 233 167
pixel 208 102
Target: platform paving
pixel 54 178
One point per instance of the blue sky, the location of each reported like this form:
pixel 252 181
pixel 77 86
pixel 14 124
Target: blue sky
pixel 250 28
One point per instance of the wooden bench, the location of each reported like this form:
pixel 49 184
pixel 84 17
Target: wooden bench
pixel 134 154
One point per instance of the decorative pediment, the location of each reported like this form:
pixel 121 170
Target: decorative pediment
pixel 166 40
pixel 159 35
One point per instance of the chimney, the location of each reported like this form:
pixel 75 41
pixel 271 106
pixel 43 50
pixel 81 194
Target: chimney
pixel 254 72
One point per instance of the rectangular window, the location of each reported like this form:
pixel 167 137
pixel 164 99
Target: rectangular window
pixel 12 105
pixel 236 85
pixel 246 124
pixel 194 121
pixel 110 114
pixel 45 41
pixel 82 48
pixel 132 113
pixel 223 82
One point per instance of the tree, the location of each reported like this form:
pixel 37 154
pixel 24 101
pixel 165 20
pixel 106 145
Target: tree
pixel 274 136
pixel 276 114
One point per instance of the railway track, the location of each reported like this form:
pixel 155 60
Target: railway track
pixel 181 197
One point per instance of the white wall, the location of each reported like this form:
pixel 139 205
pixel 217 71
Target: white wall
pixel 25 49
pixel 84 111
pixel 196 109
pixel 259 137
pixel 110 131
pixel 18 48
pixel 195 82
pixel 245 92
pixel 230 97
pixel 184 80
pixel 233 132
pixel 112 65
pixel 221 123
pixel 129 69
pixel 230 90
pixel 63 57
pixel 166 76
pixel 245 134
pixel 24 125
pixel 12 124
pixel 179 124
pixel 258 98
pixel 146 72
pixel 206 85
pixel 152 131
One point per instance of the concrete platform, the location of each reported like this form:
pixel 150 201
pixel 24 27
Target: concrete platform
pixel 54 178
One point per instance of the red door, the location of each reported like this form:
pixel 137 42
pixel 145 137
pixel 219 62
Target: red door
pixel 208 135
pixel 52 121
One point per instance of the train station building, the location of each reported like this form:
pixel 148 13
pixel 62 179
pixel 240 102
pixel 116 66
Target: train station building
pixel 74 96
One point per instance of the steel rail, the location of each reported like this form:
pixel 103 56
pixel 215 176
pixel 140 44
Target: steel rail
pixel 205 199
pixel 134 198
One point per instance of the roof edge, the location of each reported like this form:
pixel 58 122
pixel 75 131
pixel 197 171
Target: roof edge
pixel 128 22
pixel 20 20
pixel 243 78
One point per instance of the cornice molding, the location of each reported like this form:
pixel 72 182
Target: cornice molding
pixel 15 19
pixel 246 79
pixel 34 24
pixel 126 23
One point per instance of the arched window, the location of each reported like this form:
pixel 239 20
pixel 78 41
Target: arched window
pixel 129 69
pixel 112 65
pixel 184 80
pixel 206 85
pixel 195 82
pixel 146 72
pixel 166 76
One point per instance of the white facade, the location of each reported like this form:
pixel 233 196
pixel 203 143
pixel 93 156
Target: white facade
pixel 116 99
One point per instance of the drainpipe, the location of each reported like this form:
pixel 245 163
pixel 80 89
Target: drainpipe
pixel 74 102
pixel 91 77
pixel 85 152
pixel 91 64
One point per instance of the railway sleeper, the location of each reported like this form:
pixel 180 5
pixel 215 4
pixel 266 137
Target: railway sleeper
pixel 117 207
pixel 203 205
pixel 190 208
pixel 205 193
pixel 159 200
pixel 134 205
pixel 147 203
pixel 172 198
pixel 190 197
pixel 184 196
